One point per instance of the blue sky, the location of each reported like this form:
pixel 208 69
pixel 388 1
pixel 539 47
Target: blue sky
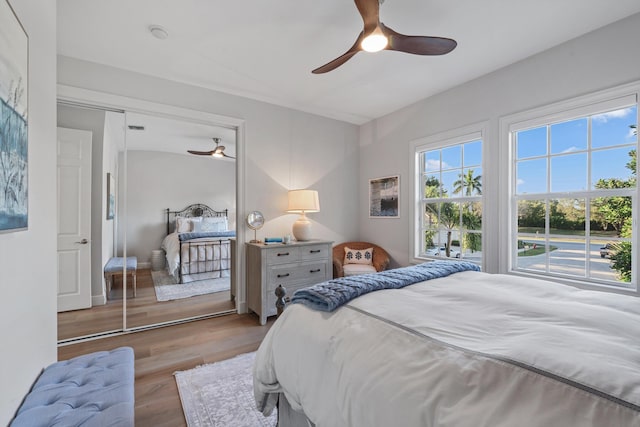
pixel 611 136
pixel 455 160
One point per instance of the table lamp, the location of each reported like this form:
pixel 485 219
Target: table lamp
pixel 303 201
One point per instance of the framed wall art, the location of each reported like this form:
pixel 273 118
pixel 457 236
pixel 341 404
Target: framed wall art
pixel 111 196
pixel 384 194
pixel 14 141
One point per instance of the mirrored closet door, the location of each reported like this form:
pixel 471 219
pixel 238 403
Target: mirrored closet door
pixel 181 210
pixel 144 183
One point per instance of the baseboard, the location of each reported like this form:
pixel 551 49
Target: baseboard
pixel 98 300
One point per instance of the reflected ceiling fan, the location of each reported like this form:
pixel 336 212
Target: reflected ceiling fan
pixel 376 37
pixel 216 152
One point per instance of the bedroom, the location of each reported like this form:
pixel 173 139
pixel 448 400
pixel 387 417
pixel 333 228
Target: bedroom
pixel 275 160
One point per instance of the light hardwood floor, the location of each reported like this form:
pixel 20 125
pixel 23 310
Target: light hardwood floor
pixel 142 310
pixel 161 352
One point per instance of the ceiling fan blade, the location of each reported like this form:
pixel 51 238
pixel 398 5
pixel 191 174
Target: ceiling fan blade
pixel 332 65
pixel 370 12
pixel 201 153
pixel 418 45
pixel 227 156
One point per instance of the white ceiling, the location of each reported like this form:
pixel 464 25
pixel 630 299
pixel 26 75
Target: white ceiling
pixel 265 50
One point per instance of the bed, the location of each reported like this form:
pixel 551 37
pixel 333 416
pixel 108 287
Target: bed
pixel 462 349
pixel 197 244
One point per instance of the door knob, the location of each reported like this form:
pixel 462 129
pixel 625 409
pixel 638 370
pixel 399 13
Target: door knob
pixel 83 241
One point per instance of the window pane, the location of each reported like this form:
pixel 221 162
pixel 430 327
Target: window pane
pixel 610 167
pixel 429 240
pixel 569 173
pixel 472 152
pixel 532 142
pixel 531 176
pixel 612 215
pixel 469 183
pixel 430 215
pixel 531 216
pixel 449 180
pixel 569 136
pixel 452 157
pixel 531 253
pixel 449 216
pixel 472 216
pixel 567 257
pixel 432 161
pixel 614 127
pixel 432 187
pixel 567 217
pixel 471 248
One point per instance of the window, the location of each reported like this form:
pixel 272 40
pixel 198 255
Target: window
pixel 574 195
pixel 448 222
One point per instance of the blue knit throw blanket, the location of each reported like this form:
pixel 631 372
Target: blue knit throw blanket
pixel 329 295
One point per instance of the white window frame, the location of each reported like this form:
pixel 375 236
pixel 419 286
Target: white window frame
pixel 599 102
pixel 441 140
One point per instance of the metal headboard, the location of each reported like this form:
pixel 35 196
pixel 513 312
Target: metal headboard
pixel 191 211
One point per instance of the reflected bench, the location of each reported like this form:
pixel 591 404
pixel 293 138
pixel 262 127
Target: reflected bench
pixel 115 267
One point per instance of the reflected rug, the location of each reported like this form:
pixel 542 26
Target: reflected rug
pixel 221 395
pixel 167 289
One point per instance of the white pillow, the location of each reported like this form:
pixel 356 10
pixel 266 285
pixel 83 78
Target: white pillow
pixel 186 225
pixel 216 223
pixel 355 256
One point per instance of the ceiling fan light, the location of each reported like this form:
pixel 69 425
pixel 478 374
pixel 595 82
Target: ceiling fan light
pixel 217 154
pixel 375 41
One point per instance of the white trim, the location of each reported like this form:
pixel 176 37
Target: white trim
pixel 88 97
pixel 456 136
pixel 586 105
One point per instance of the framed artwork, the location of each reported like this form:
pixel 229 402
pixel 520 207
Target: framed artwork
pixel 384 196
pixel 111 196
pixel 14 140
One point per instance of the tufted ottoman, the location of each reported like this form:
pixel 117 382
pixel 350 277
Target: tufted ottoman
pixel 94 389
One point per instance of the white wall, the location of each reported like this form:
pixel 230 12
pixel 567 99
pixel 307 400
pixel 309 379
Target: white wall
pixel 284 148
pixel 598 60
pixel 158 180
pixel 28 258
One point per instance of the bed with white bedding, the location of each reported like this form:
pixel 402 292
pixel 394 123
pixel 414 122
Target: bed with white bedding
pixel 197 244
pixel 469 349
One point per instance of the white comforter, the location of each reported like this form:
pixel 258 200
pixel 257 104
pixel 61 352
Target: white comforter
pixel 471 349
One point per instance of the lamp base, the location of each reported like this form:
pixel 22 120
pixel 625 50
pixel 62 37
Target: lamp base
pixel 302 228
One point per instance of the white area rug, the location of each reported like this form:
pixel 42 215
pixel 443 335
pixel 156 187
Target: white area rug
pixel 167 289
pixel 221 395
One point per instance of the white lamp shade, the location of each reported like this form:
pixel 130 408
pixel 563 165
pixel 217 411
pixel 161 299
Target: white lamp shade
pixel 303 201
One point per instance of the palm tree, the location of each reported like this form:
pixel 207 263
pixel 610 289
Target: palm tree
pixel 469 183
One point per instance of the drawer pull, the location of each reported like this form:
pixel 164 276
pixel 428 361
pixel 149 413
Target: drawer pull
pixel 283 275
pixel 317 270
pixel 283 253
pixel 314 251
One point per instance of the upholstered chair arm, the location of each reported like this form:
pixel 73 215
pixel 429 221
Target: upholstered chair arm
pixel 338 271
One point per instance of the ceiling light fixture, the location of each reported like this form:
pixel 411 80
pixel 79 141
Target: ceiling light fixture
pixel 158 32
pixel 375 41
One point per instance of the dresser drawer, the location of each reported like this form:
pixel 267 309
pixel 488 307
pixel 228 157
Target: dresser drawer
pixel 282 255
pixel 292 273
pixel 314 252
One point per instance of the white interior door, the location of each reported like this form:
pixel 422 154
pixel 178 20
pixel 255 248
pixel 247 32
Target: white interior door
pixel 74 219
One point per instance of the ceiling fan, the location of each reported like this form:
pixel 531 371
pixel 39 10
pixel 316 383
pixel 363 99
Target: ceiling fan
pixel 376 36
pixel 216 152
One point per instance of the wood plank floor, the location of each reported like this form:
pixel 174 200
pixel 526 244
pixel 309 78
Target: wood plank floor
pixel 142 310
pixel 160 352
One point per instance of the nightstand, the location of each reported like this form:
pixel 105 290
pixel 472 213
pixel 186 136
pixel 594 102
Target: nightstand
pixel 294 266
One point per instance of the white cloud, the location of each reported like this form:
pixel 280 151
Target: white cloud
pixel 570 149
pixel 434 165
pixel 618 114
pixel 519 181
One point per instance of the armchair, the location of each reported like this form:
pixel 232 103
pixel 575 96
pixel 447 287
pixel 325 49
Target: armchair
pixel 380 259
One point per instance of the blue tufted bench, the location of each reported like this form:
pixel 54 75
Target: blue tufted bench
pixel 94 389
pixel 114 267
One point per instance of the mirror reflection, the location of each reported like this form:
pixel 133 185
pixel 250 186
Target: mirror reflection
pixel 180 209
pixel 143 183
